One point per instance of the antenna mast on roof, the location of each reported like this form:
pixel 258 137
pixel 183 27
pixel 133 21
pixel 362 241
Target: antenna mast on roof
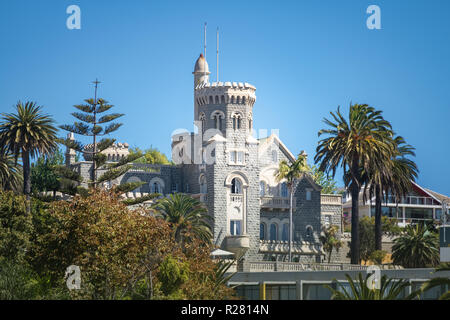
pixel 204 54
pixel 217 53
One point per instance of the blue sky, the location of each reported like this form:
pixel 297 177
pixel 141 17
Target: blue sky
pixel 304 57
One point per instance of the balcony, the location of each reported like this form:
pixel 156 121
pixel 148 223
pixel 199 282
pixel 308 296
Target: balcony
pixel 236 198
pixel 276 202
pixel 412 200
pixel 298 247
pixel 237 244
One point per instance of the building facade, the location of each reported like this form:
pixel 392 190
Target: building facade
pixel 420 204
pixel 233 174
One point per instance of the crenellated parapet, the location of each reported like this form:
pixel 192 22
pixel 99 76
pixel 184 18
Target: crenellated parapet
pixel 225 93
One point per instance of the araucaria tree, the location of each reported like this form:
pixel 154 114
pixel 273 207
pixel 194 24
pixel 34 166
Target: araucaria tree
pixel 25 134
pixel 94 123
pixel 355 145
pixel 90 125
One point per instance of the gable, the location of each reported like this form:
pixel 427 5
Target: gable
pixel 271 145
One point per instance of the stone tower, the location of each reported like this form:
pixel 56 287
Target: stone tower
pixel 70 153
pixel 223 115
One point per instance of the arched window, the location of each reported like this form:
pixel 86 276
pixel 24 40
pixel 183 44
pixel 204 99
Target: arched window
pixel 236 186
pixel 285 234
pixel 262 231
pixel 284 190
pixel 202 118
pixel 273 231
pixel 218 117
pixel 237 121
pixel 156 187
pixel 217 99
pixel 309 232
pixel 262 188
pixel 203 185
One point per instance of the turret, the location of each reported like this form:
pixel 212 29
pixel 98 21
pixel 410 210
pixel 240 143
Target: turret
pixel 201 71
pixel 225 106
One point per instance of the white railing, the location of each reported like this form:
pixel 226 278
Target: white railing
pixel 335 199
pixel 269 266
pixel 413 200
pixel 276 202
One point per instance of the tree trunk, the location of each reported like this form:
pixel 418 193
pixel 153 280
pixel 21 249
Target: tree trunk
pixel 26 173
pixel 290 223
pixel 355 188
pixel 378 230
pixel 26 178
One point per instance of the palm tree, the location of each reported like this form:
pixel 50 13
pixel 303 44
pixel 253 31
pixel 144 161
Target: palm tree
pixel 330 241
pixel 27 134
pixel 390 289
pixel 438 282
pixel 10 173
pixel 417 248
pixel 354 145
pixel 185 214
pixel 290 173
pixel 394 176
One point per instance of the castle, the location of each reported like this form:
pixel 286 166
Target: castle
pixel 233 174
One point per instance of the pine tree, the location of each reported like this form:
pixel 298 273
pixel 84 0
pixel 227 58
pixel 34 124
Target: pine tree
pixel 92 123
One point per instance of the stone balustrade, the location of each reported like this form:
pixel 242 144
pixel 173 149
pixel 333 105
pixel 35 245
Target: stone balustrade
pixel 332 199
pixel 273 266
pixel 276 202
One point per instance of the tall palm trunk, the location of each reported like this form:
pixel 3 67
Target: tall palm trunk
pixel 355 188
pixel 26 177
pixel 378 231
pixel 290 223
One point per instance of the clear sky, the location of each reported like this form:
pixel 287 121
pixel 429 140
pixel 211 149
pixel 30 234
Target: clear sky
pixel 304 57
